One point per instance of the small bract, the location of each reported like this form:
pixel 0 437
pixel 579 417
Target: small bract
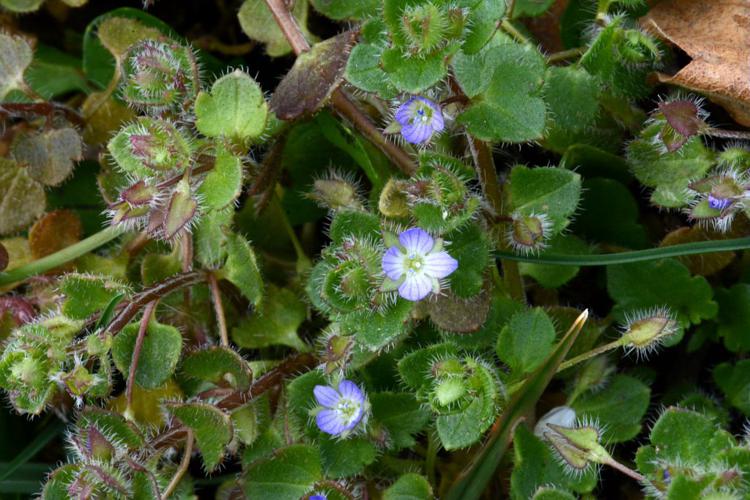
pixel 420 119
pixel 342 408
pixel 417 264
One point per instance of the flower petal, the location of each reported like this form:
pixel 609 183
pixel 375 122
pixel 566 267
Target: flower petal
pixel 330 422
pixel 326 396
pixel 438 123
pixel 439 264
pixel 393 263
pixel 405 112
pixel 351 391
pixel 415 287
pixel 416 241
pixel 355 419
pixel 417 133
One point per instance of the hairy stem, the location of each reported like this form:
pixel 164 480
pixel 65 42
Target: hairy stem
pixel 492 189
pixel 60 257
pixel 142 329
pixel 182 469
pixel 625 470
pixel 341 102
pixel 213 285
pixel 727 134
pixel 157 291
pixel 433 447
pixel 565 54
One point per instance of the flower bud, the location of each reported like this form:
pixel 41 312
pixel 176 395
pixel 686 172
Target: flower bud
pixel 577 446
pixel 336 192
pixel 646 331
pixel 423 27
pixel 160 77
pixel 149 146
pixel 449 391
pixel 528 233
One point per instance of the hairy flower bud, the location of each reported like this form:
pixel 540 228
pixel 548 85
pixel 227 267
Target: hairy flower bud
pixel 160 77
pixel 150 145
pixel 423 27
pixel 646 331
pixel 529 233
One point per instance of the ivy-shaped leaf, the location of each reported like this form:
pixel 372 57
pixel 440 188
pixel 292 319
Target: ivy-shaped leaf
pixel 159 354
pixel 212 428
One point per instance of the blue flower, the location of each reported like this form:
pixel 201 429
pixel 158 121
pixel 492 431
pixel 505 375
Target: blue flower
pixel 419 118
pixel 343 408
pixel 318 497
pixel 718 203
pixel 417 264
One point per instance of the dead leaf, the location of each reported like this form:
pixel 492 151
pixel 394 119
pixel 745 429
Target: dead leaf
pixel 716 35
pixel 701 264
pixel 313 78
pixel 54 231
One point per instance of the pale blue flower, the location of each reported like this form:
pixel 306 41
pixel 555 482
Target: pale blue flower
pixel 417 264
pixel 342 408
pixel 419 118
pixel 718 203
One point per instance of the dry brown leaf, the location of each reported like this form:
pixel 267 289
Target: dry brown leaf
pixel 701 264
pixel 54 231
pixel 716 35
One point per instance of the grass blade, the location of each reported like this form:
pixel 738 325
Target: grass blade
pixel 474 479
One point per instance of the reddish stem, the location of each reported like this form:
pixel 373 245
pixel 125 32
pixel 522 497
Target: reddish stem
pixel 143 328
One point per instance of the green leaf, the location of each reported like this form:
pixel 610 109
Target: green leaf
pixel 545 493
pixel 620 225
pixel 159 354
pixel 86 294
pixel 346 457
pixel 619 408
pixel 346 9
pixel 734 382
pixel 275 322
pixel 22 198
pixel 657 283
pixel 545 190
pixel 556 276
pixel 223 184
pixel 98 61
pixel 210 237
pixel 15 56
pixel 363 70
pixel 531 7
pixel 21 6
pixel 212 428
pixel 235 108
pixel 291 473
pixel 413 74
pixel 686 437
pixel 572 97
pixel 409 487
pixel 54 73
pixel 507 106
pixel 259 24
pixel 402 416
pixel 526 341
pixel 483 19
pixel 734 316
pixel 378 330
pixel 416 367
pixel 470 246
pixel 219 366
pixel 241 269
pixel 466 427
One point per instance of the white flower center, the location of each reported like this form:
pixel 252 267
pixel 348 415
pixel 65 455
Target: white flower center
pixel 414 263
pixel 347 409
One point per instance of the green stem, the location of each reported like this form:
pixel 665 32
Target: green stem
pixel 303 261
pixel 681 250
pixel 576 360
pixel 60 257
pixel 565 54
pixel 508 27
pixel 433 447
